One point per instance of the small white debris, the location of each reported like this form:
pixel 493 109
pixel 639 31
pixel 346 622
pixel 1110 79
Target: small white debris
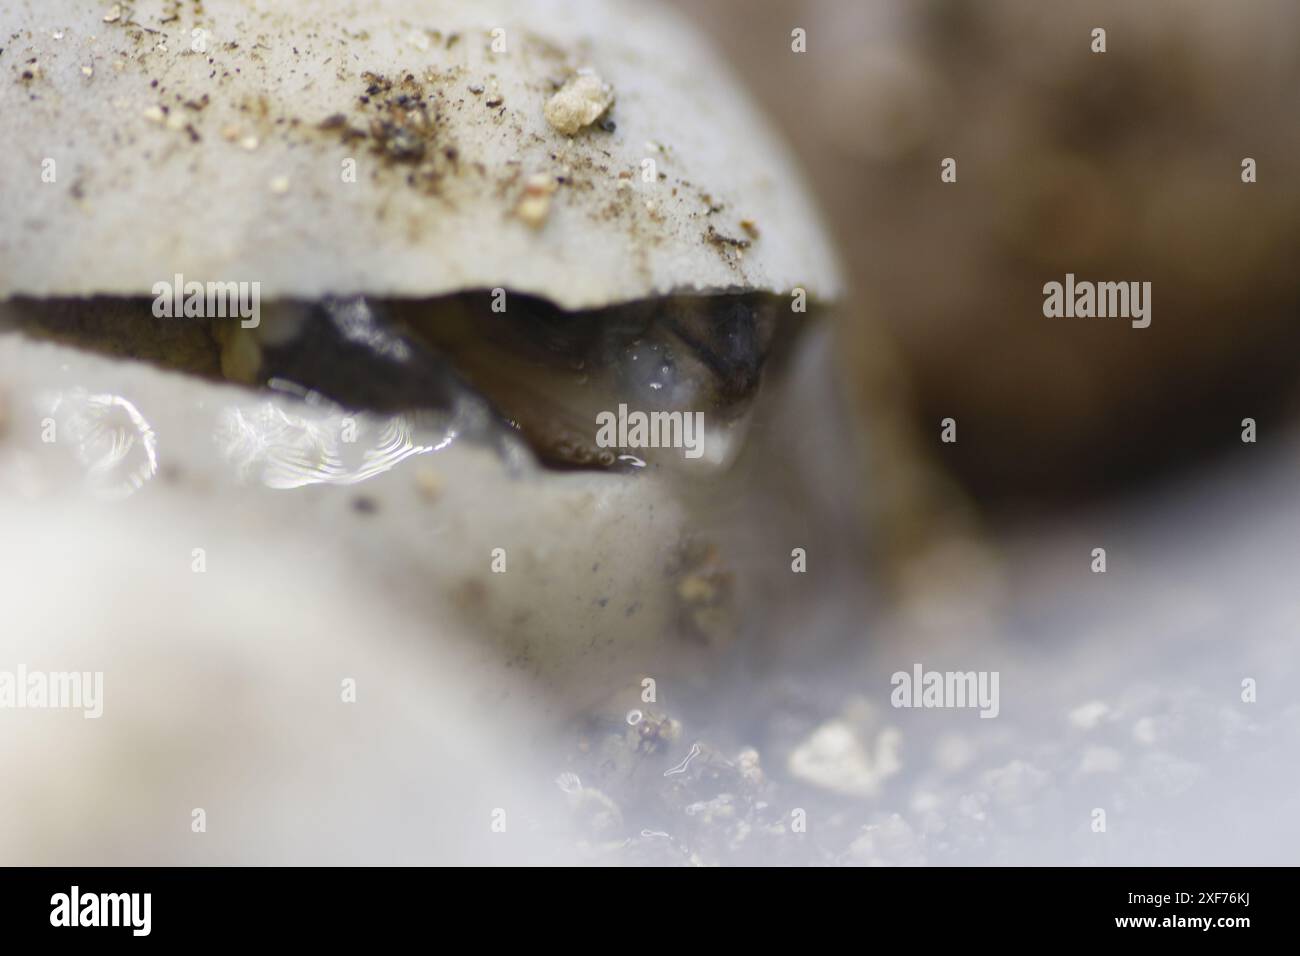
pixel 721 807
pixel 834 759
pixel 578 103
pixel 114 13
pixel 750 766
pixel 249 143
pixel 535 205
pixel 87 71
pixel 57 34
pixel 154 114
pixel 280 185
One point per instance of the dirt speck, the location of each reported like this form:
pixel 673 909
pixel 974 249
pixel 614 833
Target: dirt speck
pixel 723 241
pixel 429 483
pixel 402 123
pixel 535 204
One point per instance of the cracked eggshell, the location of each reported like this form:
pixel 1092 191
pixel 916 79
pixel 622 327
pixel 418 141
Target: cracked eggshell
pixel 587 598
pixel 214 141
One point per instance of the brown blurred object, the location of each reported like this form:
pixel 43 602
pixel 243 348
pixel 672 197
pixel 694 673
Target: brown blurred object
pixel 1115 166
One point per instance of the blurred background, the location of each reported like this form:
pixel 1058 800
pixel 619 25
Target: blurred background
pixel 1117 166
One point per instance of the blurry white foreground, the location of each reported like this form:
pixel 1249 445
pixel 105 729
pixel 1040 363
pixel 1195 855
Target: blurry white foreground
pixel 228 616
